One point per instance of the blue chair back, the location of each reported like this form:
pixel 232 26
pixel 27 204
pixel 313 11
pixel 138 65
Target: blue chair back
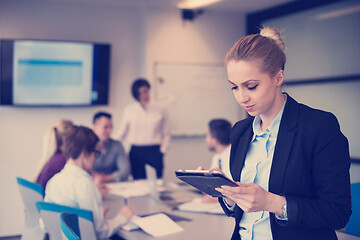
pixel 69 224
pixel 31 193
pixel 50 214
pixel 353 226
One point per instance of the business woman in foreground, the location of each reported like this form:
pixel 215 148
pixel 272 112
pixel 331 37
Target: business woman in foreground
pixel 291 161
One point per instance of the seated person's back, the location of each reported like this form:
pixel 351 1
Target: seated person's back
pixel 74 186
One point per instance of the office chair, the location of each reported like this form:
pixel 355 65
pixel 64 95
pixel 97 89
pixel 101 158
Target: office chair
pixel 69 224
pixel 50 214
pixel 31 193
pixel 353 226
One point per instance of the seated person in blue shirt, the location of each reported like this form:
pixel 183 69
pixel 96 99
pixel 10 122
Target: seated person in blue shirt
pixel 74 186
pixel 113 164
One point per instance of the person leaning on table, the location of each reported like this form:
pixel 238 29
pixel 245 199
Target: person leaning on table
pixel 74 186
pixel 291 161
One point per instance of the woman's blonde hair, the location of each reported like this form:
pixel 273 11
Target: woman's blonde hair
pixel 267 46
pixel 53 140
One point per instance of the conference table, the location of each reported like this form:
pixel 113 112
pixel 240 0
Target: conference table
pixel 195 225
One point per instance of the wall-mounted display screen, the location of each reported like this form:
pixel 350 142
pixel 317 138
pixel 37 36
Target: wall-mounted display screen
pixel 54 73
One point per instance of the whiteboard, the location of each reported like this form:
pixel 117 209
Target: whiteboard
pixel 195 94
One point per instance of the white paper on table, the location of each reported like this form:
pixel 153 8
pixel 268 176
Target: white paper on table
pixel 196 205
pixel 129 189
pixel 157 225
pixel 130 226
pixel 136 188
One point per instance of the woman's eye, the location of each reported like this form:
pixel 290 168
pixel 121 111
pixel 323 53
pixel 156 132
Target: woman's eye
pixel 234 87
pixel 252 87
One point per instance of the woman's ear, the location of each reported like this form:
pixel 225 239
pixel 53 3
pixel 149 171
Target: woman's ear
pixel 280 78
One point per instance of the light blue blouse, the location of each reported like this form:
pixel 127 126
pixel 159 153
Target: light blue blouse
pixel 256 225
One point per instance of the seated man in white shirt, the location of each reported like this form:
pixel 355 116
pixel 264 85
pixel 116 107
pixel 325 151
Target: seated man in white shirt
pixel 218 141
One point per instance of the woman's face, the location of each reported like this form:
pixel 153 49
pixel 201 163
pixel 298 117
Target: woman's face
pixel 144 95
pixel 254 90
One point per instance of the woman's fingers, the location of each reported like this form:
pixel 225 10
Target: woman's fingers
pixel 200 168
pixel 240 189
pixel 239 199
pixel 218 170
pixel 234 192
pixel 250 197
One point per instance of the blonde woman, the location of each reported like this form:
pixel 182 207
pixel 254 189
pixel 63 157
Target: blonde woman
pixel 291 161
pixel 53 159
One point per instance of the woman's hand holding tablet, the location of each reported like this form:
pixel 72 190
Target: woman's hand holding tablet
pixel 251 197
pixel 205 180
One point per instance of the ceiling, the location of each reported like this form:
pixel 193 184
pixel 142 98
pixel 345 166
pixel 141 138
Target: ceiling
pixel 244 6
pixel 247 5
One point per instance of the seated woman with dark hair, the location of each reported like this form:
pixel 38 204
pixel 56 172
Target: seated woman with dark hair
pixel 74 186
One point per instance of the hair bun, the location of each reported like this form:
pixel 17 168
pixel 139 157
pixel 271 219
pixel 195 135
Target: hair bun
pixel 274 35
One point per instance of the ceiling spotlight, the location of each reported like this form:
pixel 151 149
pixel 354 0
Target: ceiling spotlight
pixel 194 4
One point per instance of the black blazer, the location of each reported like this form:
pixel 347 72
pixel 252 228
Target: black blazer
pixel 310 168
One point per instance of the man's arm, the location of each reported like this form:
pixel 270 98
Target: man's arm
pixel 122 163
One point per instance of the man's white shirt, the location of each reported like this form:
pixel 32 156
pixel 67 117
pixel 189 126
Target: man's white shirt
pixel 225 161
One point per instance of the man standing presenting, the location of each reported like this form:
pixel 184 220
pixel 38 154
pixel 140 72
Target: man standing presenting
pixel 113 164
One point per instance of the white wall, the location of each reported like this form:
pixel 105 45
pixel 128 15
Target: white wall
pixel 314 30
pixel 138 37
pixel 204 40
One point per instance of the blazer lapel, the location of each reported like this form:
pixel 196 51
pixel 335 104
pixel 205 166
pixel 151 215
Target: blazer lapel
pixel 238 157
pixel 283 145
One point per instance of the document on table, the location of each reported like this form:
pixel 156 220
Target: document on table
pixel 157 225
pixel 196 205
pixel 131 225
pixel 136 188
pixel 129 189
